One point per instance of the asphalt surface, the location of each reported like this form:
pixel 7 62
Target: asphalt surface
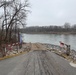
pixel 38 62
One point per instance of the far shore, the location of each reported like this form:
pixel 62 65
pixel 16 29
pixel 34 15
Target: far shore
pixel 66 33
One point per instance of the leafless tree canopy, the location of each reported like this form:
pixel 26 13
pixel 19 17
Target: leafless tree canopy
pixel 13 15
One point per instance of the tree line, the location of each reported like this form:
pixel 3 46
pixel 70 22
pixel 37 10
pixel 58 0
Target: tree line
pixel 67 27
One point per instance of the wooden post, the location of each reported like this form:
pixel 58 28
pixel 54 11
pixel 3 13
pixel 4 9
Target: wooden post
pixel 68 50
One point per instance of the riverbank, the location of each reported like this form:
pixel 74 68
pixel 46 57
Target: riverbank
pixel 26 47
pixel 54 48
pixel 66 33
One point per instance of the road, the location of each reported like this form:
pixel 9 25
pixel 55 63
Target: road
pixel 37 62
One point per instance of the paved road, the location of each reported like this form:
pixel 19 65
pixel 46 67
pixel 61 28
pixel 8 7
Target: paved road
pixel 36 63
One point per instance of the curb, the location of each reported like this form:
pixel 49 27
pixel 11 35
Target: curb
pixel 10 56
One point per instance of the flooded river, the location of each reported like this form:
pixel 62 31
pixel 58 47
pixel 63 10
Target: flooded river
pixel 51 39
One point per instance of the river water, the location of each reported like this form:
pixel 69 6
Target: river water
pixel 51 39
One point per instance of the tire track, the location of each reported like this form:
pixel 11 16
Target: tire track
pixel 44 64
pixel 51 65
pixel 27 63
pixel 59 68
pixel 40 67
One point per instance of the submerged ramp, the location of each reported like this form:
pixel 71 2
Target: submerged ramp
pixel 37 62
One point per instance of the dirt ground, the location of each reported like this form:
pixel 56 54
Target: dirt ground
pixel 40 46
pixel 35 46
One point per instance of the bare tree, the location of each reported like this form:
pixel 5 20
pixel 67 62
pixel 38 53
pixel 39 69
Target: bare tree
pixel 4 4
pixel 67 25
pixel 15 13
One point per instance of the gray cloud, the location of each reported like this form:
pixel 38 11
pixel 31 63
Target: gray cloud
pixel 52 12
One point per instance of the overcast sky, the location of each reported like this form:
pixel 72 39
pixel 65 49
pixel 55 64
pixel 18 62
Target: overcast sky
pixel 51 12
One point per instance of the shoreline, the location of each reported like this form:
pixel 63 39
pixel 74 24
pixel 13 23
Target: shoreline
pixel 27 47
pixel 55 49
pixel 65 33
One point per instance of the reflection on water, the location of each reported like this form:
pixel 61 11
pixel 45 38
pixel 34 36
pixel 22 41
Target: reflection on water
pixel 51 38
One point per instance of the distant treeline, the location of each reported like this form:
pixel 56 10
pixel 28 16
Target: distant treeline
pixel 66 28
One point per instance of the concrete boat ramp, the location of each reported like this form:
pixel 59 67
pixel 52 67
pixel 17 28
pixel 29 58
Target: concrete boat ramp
pixel 36 62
